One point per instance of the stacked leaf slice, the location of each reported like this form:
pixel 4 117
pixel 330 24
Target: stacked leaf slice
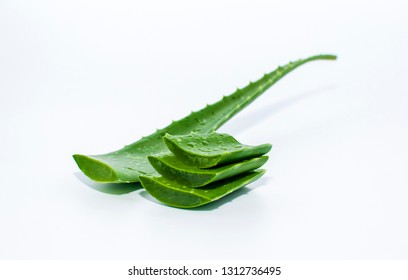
pixel 202 168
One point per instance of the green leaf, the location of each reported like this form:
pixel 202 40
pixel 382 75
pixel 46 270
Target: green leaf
pixel 177 195
pixel 208 150
pixel 127 164
pixel 170 167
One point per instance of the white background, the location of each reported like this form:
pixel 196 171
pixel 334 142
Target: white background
pixel 90 76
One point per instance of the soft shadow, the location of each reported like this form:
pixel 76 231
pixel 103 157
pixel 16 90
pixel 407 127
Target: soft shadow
pixel 150 198
pixel 269 110
pixel 108 188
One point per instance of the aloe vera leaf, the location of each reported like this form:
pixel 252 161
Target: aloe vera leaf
pixel 208 150
pixel 128 163
pixel 177 195
pixel 170 167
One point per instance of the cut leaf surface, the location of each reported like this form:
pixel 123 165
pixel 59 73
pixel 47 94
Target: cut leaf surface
pixel 177 195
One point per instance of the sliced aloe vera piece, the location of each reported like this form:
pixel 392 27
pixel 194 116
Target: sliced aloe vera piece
pixel 177 195
pixel 170 167
pixel 208 150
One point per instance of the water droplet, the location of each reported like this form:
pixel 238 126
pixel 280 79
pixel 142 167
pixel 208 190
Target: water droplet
pixel 200 121
pixel 205 143
pixel 190 144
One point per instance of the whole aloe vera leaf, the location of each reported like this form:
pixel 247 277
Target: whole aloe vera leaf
pixel 127 164
pixel 170 167
pixel 177 195
pixel 208 150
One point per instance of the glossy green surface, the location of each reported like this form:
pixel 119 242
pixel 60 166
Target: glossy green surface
pixel 172 168
pixel 177 195
pixel 128 163
pixel 208 150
